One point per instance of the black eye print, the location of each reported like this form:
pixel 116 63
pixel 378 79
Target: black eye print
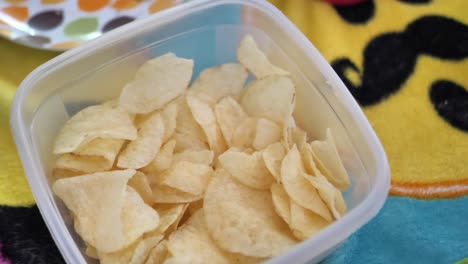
pixel 450 100
pixel 358 13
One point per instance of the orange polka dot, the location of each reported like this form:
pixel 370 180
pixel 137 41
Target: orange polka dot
pixel 159 5
pixel 15 1
pixel 92 5
pixel 65 45
pixel 48 2
pixel 125 4
pixel 17 12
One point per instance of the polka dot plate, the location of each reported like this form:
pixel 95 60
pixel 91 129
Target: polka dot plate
pixel 64 24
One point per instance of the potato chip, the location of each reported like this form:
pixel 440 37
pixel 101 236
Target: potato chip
pixel 107 148
pixel 91 252
pixel 229 115
pixel 136 253
pixel 187 177
pixel 297 186
pixel 158 254
pixel 140 183
pixel 220 81
pixel 141 151
pixel 281 202
pixel 251 57
pixel 248 169
pixel 294 135
pixel 85 164
pixel 205 117
pixel 186 124
pixel 166 194
pixel 193 244
pixel 188 142
pixel 328 155
pixel 169 116
pixel 163 159
pixel 243 220
pixel 196 156
pixel 273 156
pixel 98 121
pixel 169 215
pixel 271 97
pixel 305 223
pixel 267 133
pixel 137 217
pixel 195 206
pixel 65 173
pixel 330 195
pixel 156 83
pixel 97 200
pixel 308 160
pixel 244 134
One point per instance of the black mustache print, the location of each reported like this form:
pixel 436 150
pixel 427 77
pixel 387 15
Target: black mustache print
pixel 389 59
pixel 450 100
pixel 358 13
pixel 416 1
pixel 25 238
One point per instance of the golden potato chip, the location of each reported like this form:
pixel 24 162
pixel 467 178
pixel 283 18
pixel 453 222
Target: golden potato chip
pixel 332 197
pixel 267 133
pixel 195 206
pixel 141 151
pixel 193 244
pixel 158 254
pixel 328 155
pixel 156 83
pixel 273 156
pixel 96 200
pixel 163 159
pixel 196 156
pixel 170 215
pixel 305 223
pixel 251 57
pixel 294 135
pixel 229 115
pixel 244 134
pixel 136 253
pixel 65 173
pixel 137 217
pixel 281 202
pixel 243 220
pixel 169 116
pixel 85 164
pixel 308 160
pixel 298 188
pixel 166 194
pixel 271 97
pixel 248 169
pixel 91 252
pixel 186 124
pixel 187 142
pixel 88 124
pixel 220 81
pixel 107 148
pixel 187 177
pixel 140 183
pixel 205 117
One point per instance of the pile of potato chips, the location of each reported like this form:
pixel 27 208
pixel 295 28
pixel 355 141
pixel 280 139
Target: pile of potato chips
pixel 211 173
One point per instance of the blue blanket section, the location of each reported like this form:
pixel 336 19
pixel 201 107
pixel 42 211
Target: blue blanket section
pixel 410 231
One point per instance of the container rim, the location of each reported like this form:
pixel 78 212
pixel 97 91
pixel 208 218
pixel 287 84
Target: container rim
pixel 334 234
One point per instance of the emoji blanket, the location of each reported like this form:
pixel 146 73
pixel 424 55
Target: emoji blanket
pixel 404 61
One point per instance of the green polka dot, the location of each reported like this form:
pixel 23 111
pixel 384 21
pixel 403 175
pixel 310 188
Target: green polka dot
pixel 81 27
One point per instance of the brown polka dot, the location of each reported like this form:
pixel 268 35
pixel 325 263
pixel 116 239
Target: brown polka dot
pixel 117 22
pixel 33 40
pixel 46 20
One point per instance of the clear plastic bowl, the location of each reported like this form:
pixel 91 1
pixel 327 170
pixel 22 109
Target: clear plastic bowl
pixel 209 32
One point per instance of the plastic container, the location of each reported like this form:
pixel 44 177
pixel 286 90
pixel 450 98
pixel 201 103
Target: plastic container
pixel 209 32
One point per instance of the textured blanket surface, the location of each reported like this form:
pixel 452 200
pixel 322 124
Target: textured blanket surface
pixel 404 61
